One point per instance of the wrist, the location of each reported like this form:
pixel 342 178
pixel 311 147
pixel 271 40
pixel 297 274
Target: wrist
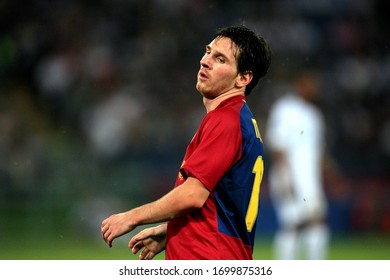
pixel 131 220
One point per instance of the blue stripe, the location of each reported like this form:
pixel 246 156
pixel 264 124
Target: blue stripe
pixel 234 190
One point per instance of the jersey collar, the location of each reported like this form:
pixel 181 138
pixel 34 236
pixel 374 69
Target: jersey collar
pixel 211 104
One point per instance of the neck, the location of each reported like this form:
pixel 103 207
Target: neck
pixel 211 104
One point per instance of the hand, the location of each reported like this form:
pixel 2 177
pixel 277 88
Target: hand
pixel 115 226
pixel 153 240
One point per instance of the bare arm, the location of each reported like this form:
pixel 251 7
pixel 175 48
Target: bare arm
pixel 191 195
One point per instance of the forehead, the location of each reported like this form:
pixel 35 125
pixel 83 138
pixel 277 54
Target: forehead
pixel 224 46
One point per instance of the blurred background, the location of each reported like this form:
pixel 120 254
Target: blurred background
pixel 98 102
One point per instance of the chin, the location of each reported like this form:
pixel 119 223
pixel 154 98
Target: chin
pixel 205 93
pixel 200 90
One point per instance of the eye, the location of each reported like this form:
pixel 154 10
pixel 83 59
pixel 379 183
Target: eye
pixel 220 59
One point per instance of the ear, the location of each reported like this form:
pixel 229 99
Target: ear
pixel 244 79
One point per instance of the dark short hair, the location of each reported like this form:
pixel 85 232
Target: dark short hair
pixel 254 53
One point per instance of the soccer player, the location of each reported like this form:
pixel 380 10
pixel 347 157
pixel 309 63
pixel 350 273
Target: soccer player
pixel 212 210
pixel 295 137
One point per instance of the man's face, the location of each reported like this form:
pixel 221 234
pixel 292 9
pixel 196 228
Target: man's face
pixel 218 68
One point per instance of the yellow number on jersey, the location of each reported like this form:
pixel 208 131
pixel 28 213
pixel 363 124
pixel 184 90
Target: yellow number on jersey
pixel 253 206
pixel 256 129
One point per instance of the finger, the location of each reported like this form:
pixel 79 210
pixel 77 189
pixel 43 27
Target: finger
pixel 144 254
pixel 136 239
pixel 104 230
pixel 137 247
pixel 150 256
pixel 133 242
pixel 140 236
pixel 108 238
pixel 104 223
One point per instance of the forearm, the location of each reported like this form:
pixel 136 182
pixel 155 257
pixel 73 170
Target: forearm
pixel 181 200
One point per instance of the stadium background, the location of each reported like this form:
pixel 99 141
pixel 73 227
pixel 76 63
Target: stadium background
pixel 97 104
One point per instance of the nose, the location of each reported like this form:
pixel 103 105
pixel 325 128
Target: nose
pixel 205 62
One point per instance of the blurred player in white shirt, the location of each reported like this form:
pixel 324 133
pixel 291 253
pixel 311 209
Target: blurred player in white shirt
pixel 295 137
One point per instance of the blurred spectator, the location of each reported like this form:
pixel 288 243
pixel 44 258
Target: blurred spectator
pixel 296 137
pixel 110 124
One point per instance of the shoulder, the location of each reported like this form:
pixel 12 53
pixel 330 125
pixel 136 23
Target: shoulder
pixel 229 109
pixel 225 116
pixel 223 122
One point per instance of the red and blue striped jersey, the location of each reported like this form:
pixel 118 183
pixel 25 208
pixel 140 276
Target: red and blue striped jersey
pixel 226 155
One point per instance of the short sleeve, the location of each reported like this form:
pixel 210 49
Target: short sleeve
pixel 217 148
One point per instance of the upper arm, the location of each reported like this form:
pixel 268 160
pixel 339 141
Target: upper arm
pixel 192 193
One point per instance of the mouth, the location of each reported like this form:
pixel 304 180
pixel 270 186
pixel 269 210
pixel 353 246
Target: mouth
pixel 202 75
